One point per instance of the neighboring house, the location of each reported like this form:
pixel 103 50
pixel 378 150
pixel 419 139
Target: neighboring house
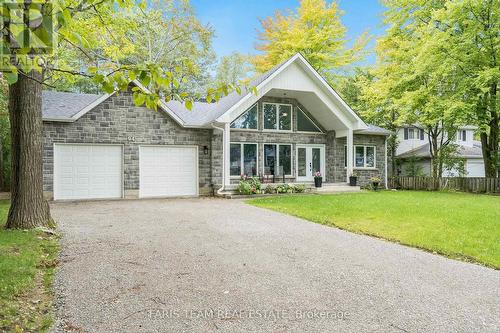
pixel 413 142
pixel 106 147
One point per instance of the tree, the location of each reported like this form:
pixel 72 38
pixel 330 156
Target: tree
pixel 166 33
pixel 29 28
pixel 443 60
pixel 411 85
pixel 316 31
pixel 232 69
pixel 4 136
pixel 373 105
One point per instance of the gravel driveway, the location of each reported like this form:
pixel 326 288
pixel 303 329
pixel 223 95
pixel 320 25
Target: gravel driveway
pixel 222 265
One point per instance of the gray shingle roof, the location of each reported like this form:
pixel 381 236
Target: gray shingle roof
pixel 463 151
pixel 203 113
pixel 372 129
pixel 64 105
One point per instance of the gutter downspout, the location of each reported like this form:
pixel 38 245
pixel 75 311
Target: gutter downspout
pixel 386 180
pixel 223 187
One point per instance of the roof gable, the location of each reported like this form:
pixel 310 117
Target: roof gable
pixel 202 113
pixel 298 77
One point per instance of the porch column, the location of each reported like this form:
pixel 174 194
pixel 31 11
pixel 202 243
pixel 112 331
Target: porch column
pixel 226 151
pixel 350 153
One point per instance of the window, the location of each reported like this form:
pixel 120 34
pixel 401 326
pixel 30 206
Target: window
pixel 305 124
pixel 277 117
pixel 411 133
pixel 462 135
pixel 248 120
pixel 364 156
pixel 278 159
pixel 243 159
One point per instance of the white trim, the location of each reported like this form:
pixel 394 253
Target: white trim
pixel 374 167
pixel 277 130
pixel 103 98
pixel 54 168
pixel 91 106
pixel 331 90
pixel 59 120
pixel 226 151
pixel 257 88
pixel 350 154
pixel 223 118
pixel 277 156
pixel 312 121
pixel 385 165
pixel 242 154
pixel 241 115
pixel 197 169
pixel 322 160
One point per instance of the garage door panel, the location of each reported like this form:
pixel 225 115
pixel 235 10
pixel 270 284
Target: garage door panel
pixel 475 168
pixel 168 171
pixel 87 172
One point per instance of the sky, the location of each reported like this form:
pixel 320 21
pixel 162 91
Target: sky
pixel 236 22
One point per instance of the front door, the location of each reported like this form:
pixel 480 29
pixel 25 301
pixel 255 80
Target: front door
pixel 310 159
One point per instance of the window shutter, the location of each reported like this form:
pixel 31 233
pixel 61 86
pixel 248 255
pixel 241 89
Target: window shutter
pixel 421 134
pixel 464 135
pixel 406 133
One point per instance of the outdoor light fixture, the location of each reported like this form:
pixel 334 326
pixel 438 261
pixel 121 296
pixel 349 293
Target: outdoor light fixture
pixel 205 150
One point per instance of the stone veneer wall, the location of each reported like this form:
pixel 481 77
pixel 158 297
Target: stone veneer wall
pixel 364 175
pixel 119 121
pixel 261 137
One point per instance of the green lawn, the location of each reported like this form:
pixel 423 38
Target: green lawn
pixel 458 225
pixel 27 262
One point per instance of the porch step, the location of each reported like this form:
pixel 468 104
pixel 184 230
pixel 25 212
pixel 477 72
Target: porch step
pixel 337 188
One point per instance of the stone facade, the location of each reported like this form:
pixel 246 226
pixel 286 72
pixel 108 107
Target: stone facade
pixel 119 121
pixel 364 175
pixel 261 137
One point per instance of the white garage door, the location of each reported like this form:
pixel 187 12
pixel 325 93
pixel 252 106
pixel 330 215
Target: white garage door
pixel 87 172
pixel 167 171
pixel 475 168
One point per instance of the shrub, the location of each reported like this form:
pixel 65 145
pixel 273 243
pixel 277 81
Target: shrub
pixel 249 186
pixel 282 188
pixel 269 190
pixel 300 188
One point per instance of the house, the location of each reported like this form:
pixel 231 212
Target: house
pixel 103 146
pixel 414 145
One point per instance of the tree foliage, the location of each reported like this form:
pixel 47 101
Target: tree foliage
pixel 437 67
pixel 166 33
pixel 105 38
pixel 316 31
pixel 233 69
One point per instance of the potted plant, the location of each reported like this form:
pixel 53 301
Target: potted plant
pixel 375 182
pixel 353 179
pixel 318 180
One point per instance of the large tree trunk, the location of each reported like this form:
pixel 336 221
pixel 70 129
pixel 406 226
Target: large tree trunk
pixel 2 176
pixel 489 141
pixel 28 207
